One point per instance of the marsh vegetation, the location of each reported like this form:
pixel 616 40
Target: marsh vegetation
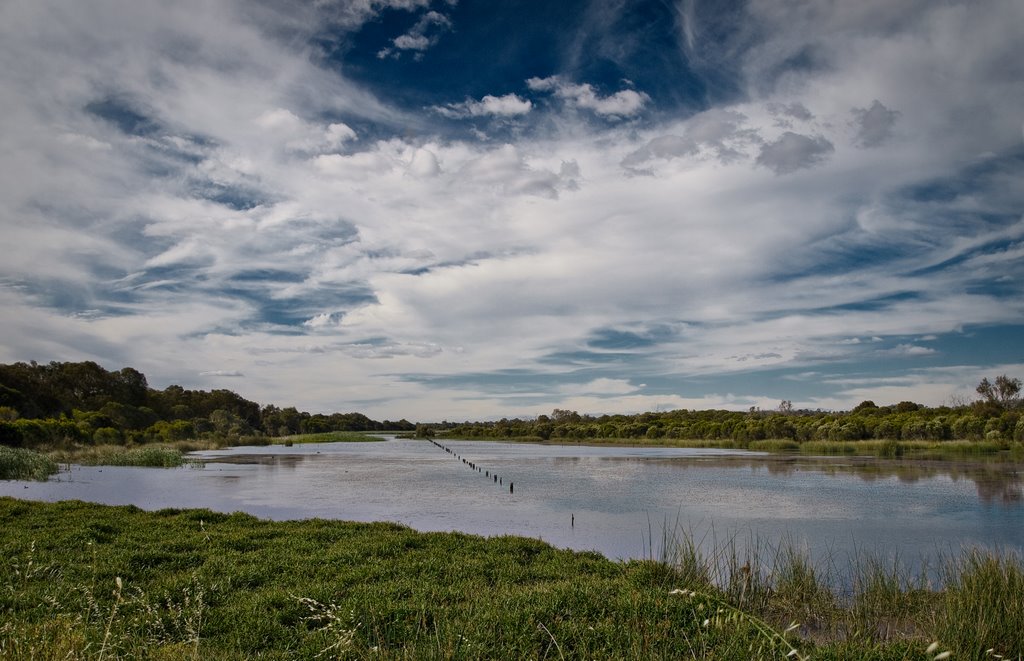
pixel 91 581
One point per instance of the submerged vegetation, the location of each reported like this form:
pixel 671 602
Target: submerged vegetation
pixel 92 581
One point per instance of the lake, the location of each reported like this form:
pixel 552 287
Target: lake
pixel 618 501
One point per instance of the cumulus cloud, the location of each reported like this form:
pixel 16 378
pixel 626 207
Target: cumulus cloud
pixel 509 105
pixel 424 164
pixel 719 133
pixel 301 136
pixel 425 33
pixel 796 110
pixel 622 104
pixel 873 124
pixel 793 151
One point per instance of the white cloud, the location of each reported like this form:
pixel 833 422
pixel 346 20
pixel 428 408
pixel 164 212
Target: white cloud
pixel 792 152
pixel 910 350
pixel 874 124
pixel 621 104
pixel 509 105
pixel 600 387
pixel 420 37
pixel 245 213
pixel 222 373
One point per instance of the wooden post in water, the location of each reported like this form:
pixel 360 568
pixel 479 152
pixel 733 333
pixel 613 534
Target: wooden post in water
pixel 511 487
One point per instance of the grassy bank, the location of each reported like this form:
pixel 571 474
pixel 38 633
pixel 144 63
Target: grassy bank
pixel 20 464
pixel 330 437
pixel 24 464
pixel 156 456
pixel 89 581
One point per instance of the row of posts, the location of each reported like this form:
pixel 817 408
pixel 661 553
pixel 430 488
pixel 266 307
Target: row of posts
pixel 497 480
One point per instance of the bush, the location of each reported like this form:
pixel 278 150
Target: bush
pixel 106 436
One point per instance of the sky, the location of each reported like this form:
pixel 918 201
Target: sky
pixel 468 210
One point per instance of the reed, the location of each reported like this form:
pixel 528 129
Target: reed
pixel 982 612
pixel 22 464
pixel 155 456
pixel 330 437
pixel 972 601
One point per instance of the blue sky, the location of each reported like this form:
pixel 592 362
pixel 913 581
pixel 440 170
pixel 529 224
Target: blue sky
pixel 440 209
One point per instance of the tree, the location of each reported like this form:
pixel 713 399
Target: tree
pixel 1004 391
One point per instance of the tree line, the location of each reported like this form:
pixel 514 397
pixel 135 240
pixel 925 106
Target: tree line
pixel 84 403
pixel 996 416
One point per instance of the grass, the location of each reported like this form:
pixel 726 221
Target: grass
pixel 867 606
pixel 330 437
pixel 25 464
pixel 157 456
pixel 21 464
pixel 89 581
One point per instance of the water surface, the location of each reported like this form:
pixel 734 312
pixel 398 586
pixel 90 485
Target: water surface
pixel 615 500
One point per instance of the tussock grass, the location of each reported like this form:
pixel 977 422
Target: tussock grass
pixel 22 464
pixel 983 605
pixel 87 581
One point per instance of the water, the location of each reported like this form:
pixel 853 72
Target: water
pixel 614 500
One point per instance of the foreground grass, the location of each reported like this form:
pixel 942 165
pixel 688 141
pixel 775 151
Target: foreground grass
pixel 21 464
pixel 90 581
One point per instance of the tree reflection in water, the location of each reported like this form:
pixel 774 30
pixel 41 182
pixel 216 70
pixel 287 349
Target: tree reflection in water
pixel 995 481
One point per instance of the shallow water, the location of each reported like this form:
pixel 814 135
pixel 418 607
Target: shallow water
pixel 616 500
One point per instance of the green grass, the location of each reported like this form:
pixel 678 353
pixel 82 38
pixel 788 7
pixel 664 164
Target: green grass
pixel 21 464
pixel 330 437
pixel 170 455
pixel 88 581
pixel 774 445
pixel 156 456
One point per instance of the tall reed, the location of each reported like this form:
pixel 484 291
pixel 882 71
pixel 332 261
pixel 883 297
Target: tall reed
pixel 22 464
